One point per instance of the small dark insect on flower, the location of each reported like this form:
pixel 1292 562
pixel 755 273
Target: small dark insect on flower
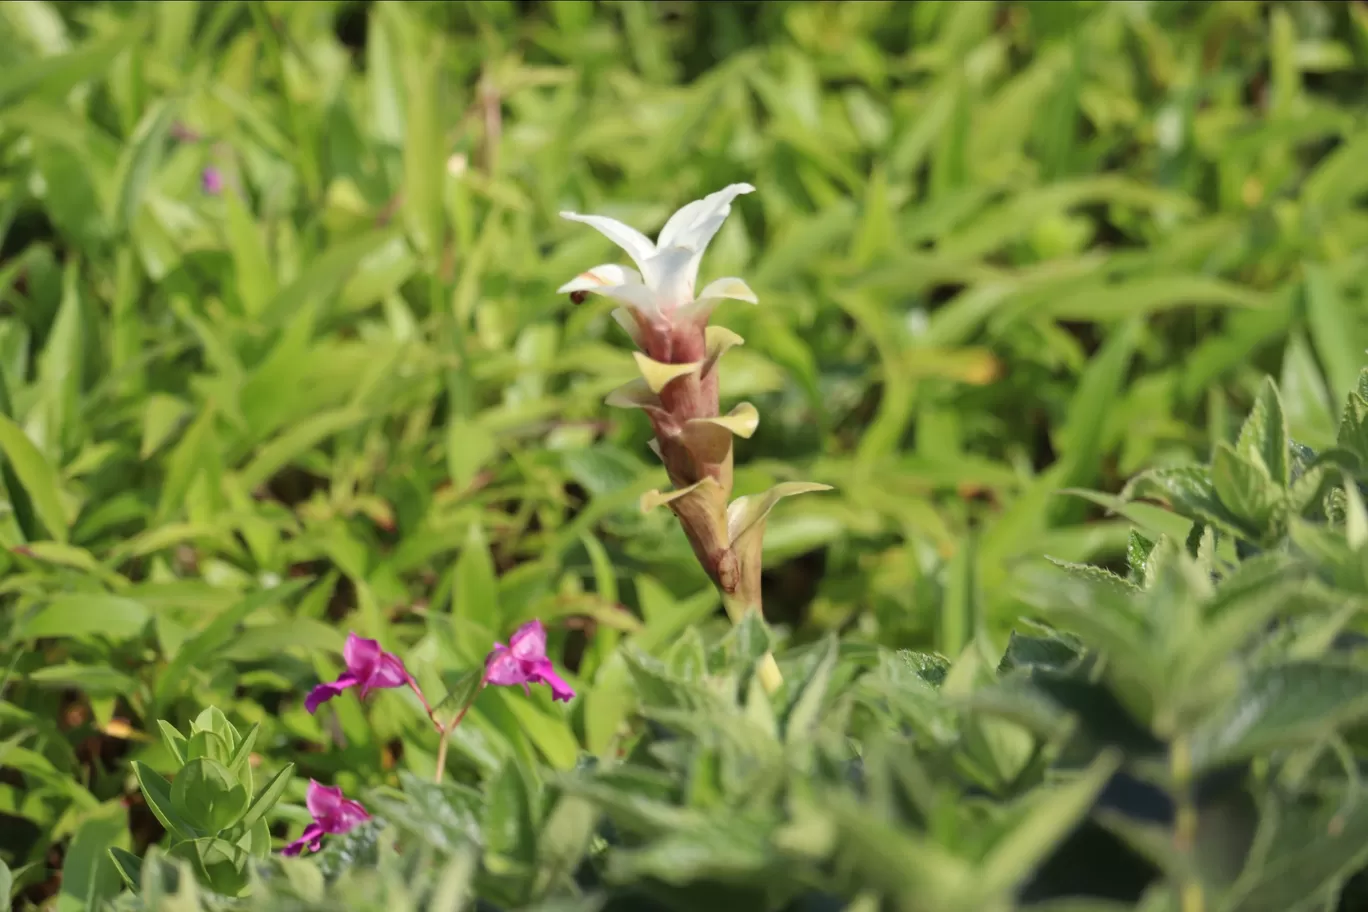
pixel 578 297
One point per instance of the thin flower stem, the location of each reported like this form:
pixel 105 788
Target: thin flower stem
pixel 445 734
pixel 431 713
pixel 441 755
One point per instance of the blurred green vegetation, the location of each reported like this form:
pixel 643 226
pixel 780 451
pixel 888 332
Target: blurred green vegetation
pixel 1002 250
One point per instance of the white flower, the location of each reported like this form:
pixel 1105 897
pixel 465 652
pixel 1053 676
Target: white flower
pixel 661 288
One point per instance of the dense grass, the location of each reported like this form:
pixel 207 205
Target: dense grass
pixel 1002 251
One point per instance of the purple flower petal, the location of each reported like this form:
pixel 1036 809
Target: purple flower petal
pixel 528 643
pixel 211 181
pixel 325 692
pixel 545 673
pixel 361 656
pixel 350 814
pixel 389 673
pixel 311 838
pixel 502 667
pixel 322 800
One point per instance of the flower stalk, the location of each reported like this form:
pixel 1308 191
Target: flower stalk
pixel 678 357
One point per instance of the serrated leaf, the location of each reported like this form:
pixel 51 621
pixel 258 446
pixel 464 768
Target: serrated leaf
pixel 1189 492
pixel 1306 853
pixel 805 712
pixel 1138 549
pixel 1245 489
pixel 1054 814
pixel 1263 437
pixel 1282 705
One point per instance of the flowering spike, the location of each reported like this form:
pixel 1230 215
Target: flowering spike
pixel 678 390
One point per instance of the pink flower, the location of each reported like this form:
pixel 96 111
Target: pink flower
pixel 368 667
pixel 331 813
pixel 211 181
pixel 523 661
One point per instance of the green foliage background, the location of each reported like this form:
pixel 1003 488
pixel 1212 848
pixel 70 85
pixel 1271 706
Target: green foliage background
pixel 1002 250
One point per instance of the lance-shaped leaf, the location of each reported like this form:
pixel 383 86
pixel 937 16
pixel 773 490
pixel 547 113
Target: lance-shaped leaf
pixel 1263 437
pixel 746 529
pixel 1189 492
pixel 718 340
pixel 658 374
pixel 1245 489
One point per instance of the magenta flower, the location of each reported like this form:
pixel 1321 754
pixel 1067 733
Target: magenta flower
pixel 331 813
pixel 523 661
pixel 211 181
pixel 368 667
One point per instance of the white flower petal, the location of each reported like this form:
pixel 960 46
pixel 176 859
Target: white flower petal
pixel 671 272
pixel 637 245
pixel 607 274
pixel 694 225
pixel 637 297
pixel 624 318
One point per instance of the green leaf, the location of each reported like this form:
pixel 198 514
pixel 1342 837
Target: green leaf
pixel 1190 493
pixel 469 446
pixel 251 263
pixel 1282 705
pixel 39 478
pixel 507 819
pixel 1335 328
pixel 54 76
pixel 195 651
pixel 424 151
pixel 94 614
pixel 138 163
pixel 1304 852
pixel 208 795
pixel 219 864
pixel 89 877
pixel 267 798
pixel 1052 816
pixel 749 639
pixel 445 815
pixel 1263 437
pixel 475 596
pixel 1245 489
pixel 806 711
pixel 174 740
pixel 295 442
pixel 128 865
pixel 157 793
pixel 239 764
pixel 549 733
